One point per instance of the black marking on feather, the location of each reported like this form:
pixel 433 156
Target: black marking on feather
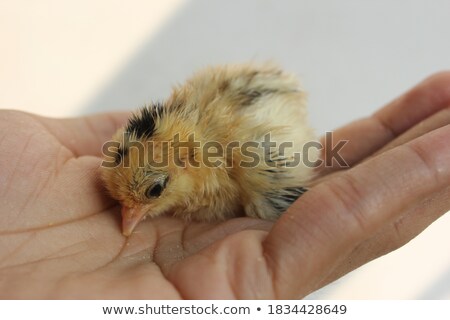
pixel 249 97
pixel 283 199
pixel 224 85
pixel 142 124
pixel 276 162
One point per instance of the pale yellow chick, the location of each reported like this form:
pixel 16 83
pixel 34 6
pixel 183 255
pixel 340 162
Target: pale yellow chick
pixel 214 149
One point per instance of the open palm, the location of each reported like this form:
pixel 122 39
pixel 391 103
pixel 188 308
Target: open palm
pixel 60 233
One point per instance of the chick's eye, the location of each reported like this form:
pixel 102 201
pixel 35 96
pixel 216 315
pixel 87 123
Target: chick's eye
pixel 155 190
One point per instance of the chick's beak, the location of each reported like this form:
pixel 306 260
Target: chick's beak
pixel 131 218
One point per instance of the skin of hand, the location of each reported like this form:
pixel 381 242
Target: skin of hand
pixel 60 234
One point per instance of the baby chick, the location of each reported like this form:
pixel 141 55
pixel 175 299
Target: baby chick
pixel 225 144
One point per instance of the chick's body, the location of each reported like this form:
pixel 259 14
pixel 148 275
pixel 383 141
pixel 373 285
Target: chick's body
pixel 239 132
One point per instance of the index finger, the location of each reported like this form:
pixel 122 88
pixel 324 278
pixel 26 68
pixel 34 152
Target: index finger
pixel 368 135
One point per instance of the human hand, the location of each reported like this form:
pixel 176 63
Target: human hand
pixel 60 234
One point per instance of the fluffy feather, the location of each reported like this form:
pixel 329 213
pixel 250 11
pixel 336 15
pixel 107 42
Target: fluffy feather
pixel 225 104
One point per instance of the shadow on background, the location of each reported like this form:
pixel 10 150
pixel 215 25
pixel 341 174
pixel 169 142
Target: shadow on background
pixel 438 290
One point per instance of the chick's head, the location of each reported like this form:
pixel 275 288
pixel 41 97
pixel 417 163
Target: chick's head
pixel 146 176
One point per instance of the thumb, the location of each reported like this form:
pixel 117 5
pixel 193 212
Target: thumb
pixel 85 135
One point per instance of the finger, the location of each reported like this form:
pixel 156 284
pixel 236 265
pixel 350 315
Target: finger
pixel 368 135
pixel 394 235
pixel 85 135
pixel 335 216
pixel 431 95
pixel 435 121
